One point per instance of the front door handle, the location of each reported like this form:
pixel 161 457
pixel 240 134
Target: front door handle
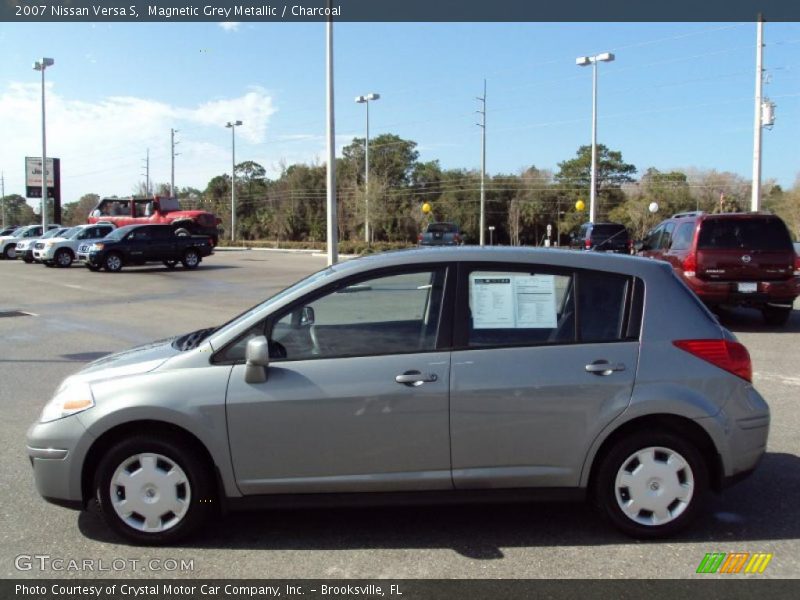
pixel 603 367
pixel 415 378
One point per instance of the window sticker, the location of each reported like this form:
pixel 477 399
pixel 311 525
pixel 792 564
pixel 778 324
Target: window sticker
pixel 512 301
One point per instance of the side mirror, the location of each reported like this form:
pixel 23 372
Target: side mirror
pixel 257 360
pixel 306 316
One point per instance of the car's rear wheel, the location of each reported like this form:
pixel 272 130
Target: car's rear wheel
pixel 190 259
pixel 154 490
pixel 63 258
pixel 652 484
pixel 776 315
pixel 113 262
pixel 182 231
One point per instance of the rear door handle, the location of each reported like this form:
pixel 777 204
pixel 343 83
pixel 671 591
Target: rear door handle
pixel 415 378
pixel 603 367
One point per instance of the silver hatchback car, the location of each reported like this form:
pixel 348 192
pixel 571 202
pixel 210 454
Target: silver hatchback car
pixel 455 373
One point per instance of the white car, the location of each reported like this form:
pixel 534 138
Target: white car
pixel 8 243
pixel 61 251
pixel 24 249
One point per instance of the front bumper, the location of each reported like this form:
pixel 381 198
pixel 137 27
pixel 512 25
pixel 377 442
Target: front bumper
pixel 57 451
pixel 24 254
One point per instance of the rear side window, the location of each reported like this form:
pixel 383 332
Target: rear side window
pixel 682 238
pixel 744 233
pixel 525 308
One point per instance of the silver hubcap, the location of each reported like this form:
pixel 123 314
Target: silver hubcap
pixel 113 262
pixel 654 486
pixel 64 259
pixel 150 492
pixel 191 259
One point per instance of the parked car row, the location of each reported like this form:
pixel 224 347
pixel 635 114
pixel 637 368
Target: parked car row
pixel 102 245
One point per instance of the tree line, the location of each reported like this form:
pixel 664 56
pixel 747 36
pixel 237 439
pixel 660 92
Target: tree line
pixel 292 206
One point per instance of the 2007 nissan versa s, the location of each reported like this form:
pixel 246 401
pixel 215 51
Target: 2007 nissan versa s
pixel 443 372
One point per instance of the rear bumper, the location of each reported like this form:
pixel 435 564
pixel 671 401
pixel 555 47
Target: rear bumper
pixel 727 292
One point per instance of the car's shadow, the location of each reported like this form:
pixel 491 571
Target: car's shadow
pixel 178 269
pixel 748 320
pixel 764 507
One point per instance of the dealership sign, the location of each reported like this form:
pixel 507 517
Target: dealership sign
pixel 33 177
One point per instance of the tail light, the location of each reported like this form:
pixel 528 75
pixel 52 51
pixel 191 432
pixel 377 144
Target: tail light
pixel 587 243
pixel 796 265
pixel 419 237
pixel 690 264
pixel 630 246
pixel 730 356
pixel 457 238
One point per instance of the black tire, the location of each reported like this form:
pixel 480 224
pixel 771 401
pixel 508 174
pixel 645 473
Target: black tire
pixel 27 260
pixel 63 258
pixel 609 497
pixel 170 264
pixel 182 231
pixel 776 315
pixel 8 252
pixel 191 259
pixel 112 262
pixel 197 491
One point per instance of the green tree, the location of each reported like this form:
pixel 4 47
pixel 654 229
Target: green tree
pixel 76 213
pixel 574 178
pixel 18 211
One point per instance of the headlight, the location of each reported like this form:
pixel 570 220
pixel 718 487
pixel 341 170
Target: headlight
pixel 69 400
pixel 96 246
pixel 49 244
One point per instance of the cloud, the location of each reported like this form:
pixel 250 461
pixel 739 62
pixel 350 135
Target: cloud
pixel 102 144
pixel 230 25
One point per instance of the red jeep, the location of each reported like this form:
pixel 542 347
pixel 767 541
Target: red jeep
pixel 156 210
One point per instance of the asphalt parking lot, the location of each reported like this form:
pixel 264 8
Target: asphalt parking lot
pixel 77 316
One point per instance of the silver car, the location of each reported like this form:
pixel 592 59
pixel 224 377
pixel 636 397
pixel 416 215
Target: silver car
pixel 459 373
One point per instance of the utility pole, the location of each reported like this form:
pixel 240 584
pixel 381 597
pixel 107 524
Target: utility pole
pixel 172 144
pixel 482 125
pixel 147 173
pixel 3 195
pixel 330 180
pixel 755 201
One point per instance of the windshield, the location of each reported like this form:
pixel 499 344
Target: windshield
pixel 71 232
pixel 20 232
pixel 53 233
pixel 120 233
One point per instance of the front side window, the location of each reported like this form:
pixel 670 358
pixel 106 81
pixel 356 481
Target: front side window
pixel 392 314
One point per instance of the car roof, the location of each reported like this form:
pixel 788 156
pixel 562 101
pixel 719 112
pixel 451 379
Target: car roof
pixel 620 263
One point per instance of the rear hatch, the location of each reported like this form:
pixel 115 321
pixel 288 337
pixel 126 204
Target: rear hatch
pixel 744 248
pixel 609 236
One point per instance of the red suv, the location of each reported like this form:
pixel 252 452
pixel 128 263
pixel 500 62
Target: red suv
pixel 733 259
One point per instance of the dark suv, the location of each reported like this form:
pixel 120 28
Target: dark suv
pixel 603 237
pixel 733 259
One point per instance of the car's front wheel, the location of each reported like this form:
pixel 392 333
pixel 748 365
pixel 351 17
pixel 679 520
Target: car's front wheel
pixel 652 484
pixel 9 252
pixel 113 262
pixel 63 258
pixel 153 490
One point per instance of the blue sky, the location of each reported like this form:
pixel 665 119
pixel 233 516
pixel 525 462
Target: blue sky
pixel 679 95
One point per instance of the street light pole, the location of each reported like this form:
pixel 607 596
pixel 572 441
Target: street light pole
pixel 482 125
pixel 232 126
pixel 584 61
pixel 41 65
pixel 365 101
